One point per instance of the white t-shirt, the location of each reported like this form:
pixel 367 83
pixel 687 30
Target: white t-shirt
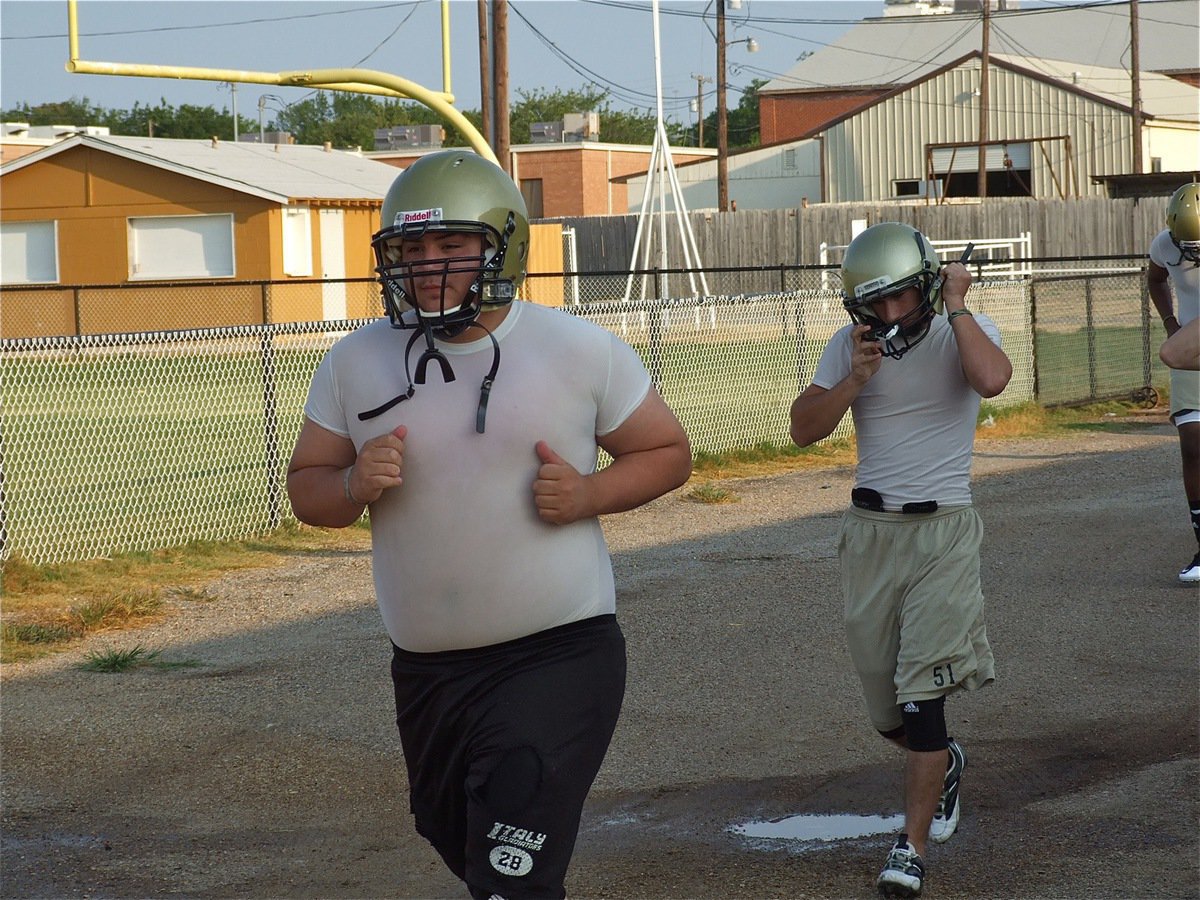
pixel 914 421
pixel 460 557
pixel 1185 278
pixel 1184 274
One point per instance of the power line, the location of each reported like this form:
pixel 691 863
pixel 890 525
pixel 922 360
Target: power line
pixel 197 27
pixel 386 39
pixel 622 92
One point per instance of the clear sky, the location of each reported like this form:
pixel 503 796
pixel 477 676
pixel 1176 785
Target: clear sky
pixel 553 45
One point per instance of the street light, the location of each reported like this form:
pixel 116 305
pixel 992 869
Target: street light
pixel 722 114
pixel 697 106
pixel 233 94
pixel 262 103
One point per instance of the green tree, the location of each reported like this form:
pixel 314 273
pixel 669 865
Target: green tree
pixel 350 120
pixel 306 120
pixel 741 122
pixel 548 106
pixel 353 120
pixel 76 111
pixel 617 126
pixel 163 120
pixel 152 121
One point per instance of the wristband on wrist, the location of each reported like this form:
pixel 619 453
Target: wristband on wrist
pixel 959 312
pixel 346 488
pixel 1169 318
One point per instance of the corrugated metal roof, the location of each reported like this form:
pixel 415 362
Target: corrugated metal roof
pixel 888 52
pixel 279 172
pixel 1162 97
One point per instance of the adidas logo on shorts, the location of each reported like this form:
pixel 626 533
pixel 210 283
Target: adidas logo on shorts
pixel 911 707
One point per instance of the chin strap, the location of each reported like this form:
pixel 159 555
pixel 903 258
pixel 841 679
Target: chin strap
pixel 431 353
pixel 485 389
pixel 399 398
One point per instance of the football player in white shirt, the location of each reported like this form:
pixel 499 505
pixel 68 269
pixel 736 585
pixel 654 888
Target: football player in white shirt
pixel 469 423
pixel 1175 263
pixel 909 544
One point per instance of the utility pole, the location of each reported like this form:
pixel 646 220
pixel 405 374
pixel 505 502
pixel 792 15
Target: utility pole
pixel 722 116
pixel 700 80
pixel 485 73
pixel 1136 87
pixel 500 68
pixel 233 94
pixel 983 100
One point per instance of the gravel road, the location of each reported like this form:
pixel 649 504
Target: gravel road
pixel 271 767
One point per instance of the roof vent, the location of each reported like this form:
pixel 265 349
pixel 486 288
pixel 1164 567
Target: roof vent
pixel 215 141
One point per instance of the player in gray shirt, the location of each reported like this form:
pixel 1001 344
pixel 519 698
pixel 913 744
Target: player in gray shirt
pixel 912 377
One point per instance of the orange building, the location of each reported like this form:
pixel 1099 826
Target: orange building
pixel 183 230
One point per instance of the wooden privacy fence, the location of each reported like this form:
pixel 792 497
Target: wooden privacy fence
pixel 1057 228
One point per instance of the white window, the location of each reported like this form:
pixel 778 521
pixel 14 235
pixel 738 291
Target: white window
pixel 163 247
pixel 28 252
pixel 297 241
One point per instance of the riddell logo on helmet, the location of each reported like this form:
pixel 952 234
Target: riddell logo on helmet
pixel 417 216
pixel 870 287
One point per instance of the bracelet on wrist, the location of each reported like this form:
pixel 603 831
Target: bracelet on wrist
pixel 959 312
pixel 346 488
pixel 1170 318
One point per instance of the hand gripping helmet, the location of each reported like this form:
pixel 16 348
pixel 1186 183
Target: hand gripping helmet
pixel 454 191
pixel 885 259
pixel 1183 221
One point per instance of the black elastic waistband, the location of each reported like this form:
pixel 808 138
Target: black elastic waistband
pixel 557 633
pixel 868 498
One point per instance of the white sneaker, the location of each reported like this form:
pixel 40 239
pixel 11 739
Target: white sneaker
pixel 945 818
pixel 1191 572
pixel 903 873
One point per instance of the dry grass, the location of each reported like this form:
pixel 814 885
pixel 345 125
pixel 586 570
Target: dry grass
pixel 707 492
pixel 49 607
pixel 769 460
pixel 1008 423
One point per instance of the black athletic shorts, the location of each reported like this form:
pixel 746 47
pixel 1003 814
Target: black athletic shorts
pixel 502 744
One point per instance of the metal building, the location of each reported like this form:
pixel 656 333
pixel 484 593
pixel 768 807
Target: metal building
pixel 1052 128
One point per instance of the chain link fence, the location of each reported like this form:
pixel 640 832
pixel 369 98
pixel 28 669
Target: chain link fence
pixel 132 441
pixel 1096 336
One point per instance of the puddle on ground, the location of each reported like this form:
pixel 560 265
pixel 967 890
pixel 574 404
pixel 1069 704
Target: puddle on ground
pixel 819 828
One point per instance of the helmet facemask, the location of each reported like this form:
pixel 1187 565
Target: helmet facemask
pixel 489 289
pixel 897 338
pixel 1189 250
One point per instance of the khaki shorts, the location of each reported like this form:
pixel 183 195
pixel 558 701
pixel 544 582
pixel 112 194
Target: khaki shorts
pixel 1185 390
pixel 913 606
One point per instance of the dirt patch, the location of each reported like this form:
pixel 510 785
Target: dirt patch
pixel 272 769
